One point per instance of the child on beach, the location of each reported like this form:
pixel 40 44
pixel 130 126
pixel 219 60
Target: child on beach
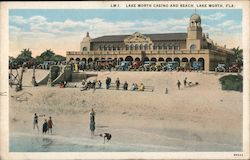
pixel 106 136
pixel 50 124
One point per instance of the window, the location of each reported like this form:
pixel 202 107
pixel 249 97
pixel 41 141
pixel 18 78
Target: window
pixel 84 49
pixel 136 47
pixel 127 47
pixel 193 47
pixel 141 47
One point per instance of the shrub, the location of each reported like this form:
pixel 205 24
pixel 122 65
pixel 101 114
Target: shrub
pixel 232 82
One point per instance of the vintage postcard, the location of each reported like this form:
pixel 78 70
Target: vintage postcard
pixel 125 80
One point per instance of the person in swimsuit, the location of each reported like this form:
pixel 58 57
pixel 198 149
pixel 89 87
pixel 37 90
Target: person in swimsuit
pixel 50 124
pixel 35 122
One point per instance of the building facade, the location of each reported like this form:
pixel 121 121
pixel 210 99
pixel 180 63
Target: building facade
pixel 182 47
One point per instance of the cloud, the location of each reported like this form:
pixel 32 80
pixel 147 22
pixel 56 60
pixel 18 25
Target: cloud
pixel 215 16
pixel 227 23
pixel 38 30
pixel 18 20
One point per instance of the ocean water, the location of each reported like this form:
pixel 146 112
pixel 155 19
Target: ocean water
pixel 53 143
pixel 24 142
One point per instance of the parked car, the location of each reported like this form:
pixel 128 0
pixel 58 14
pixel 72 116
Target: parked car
pixel 104 64
pixel 235 68
pixel 170 66
pixel 124 66
pixel 136 65
pixel 184 66
pixel 197 66
pixel 148 65
pixel 221 67
pixel 82 65
pixel 158 66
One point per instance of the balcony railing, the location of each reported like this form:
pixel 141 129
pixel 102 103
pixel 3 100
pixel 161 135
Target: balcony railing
pixel 135 52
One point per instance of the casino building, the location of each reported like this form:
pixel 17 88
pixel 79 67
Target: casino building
pixel 183 47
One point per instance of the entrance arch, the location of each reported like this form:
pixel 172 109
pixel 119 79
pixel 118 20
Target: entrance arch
pixel 153 59
pixel 146 59
pixel 168 59
pixel 90 60
pixel 96 59
pixel 84 49
pixel 160 59
pixel 102 58
pixel 177 59
pixel 203 62
pixel 78 59
pixel 192 60
pixel 137 59
pixel 120 59
pixel 184 59
pixel 129 58
pixel 71 59
pixel 84 59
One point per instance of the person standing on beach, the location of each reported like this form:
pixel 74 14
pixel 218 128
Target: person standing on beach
pixel 125 86
pixel 50 124
pixel 179 84
pixel 92 115
pixel 117 83
pixel 35 121
pixel 107 83
pixel 92 122
pixel 185 82
pixel 45 126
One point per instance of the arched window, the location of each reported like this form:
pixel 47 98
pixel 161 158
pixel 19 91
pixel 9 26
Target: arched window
pixel 154 47
pixel 132 47
pixel 193 47
pixel 165 46
pixel 127 47
pixel 146 47
pixel 84 49
pixel 136 47
pixel 170 47
pixel 110 48
pixel 160 46
pixel 141 47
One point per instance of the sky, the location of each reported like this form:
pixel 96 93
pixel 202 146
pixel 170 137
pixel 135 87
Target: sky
pixel 62 29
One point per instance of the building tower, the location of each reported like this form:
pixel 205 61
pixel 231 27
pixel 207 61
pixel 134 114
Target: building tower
pixel 194 38
pixel 85 43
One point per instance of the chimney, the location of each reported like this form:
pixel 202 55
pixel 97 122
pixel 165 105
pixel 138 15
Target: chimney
pixel 87 34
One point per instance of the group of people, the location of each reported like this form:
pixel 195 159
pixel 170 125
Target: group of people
pixel 134 86
pixel 47 125
pixel 186 83
pixel 96 84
